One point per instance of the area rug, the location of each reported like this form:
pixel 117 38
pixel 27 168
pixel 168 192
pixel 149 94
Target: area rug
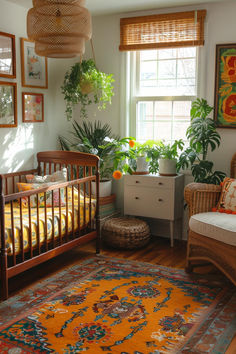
pixel 107 305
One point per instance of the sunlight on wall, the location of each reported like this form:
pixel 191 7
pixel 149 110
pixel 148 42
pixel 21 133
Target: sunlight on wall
pixel 18 145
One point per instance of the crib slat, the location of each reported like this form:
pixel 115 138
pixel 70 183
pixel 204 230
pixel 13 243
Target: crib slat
pixel 78 186
pixel 30 228
pixel 38 226
pixel 6 185
pixel 67 214
pixel 21 233
pixel 90 198
pixel 53 226
pixel 44 169
pixel 71 172
pixel 73 212
pixel 13 234
pixel 50 168
pixel 54 167
pixel 45 221
pixel 60 220
pixel 77 171
pixel 13 184
pixel 84 175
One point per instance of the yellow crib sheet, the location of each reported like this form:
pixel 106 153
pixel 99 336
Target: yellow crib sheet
pixel 26 233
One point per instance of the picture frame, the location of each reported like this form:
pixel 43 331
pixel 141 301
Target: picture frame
pixel 8 104
pixel 225 86
pixel 34 68
pixel 7 55
pixel 32 107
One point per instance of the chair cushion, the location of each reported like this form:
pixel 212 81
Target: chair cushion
pixel 219 226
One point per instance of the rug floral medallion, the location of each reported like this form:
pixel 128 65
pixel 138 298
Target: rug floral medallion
pixel 107 305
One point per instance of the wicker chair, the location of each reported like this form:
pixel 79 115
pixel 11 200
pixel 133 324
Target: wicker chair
pixel 201 198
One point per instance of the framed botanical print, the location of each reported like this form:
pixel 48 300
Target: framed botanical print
pixel 34 71
pixel 225 86
pixel 8 104
pixel 32 107
pixel 7 55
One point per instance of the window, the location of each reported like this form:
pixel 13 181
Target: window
pixel 165 84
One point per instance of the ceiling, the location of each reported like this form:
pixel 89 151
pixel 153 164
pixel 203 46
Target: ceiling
pixel 102 7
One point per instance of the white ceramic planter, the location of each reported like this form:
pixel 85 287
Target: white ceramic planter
pixel 142 164
pixel 104 188
pixel 167 167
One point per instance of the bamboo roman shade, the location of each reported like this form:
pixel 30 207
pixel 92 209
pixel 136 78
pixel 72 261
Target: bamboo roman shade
pixel 181 29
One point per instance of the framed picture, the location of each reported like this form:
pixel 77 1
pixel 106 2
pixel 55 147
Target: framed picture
pixel 8 104
pixel 34 72
pixel 225 86
pixel 32 107
pixel 7 55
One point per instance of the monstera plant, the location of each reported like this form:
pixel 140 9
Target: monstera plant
pixel 202 137
pixel 84 84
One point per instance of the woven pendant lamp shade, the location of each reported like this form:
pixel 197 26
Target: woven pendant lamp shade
pixel 59 27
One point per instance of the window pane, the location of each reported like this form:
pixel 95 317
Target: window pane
pixel 167 53
pixel 181 108
pixel 162 130
pixel 148 70
pixel 186 68
pixel 167 69
pixel 179 130
pixel 163 108
pixel 145 111
pixel 187 52
pixel 148 54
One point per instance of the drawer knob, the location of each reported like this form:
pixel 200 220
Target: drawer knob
pixel 137 182
pixel 136 197
pixel 160 183
pixel 160 200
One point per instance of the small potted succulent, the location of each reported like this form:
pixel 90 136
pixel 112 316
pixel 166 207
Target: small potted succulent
pixel 84 84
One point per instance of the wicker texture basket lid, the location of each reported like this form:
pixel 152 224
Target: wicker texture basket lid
pixel 128 233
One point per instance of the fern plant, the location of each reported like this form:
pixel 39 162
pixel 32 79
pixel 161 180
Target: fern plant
pixel 203 137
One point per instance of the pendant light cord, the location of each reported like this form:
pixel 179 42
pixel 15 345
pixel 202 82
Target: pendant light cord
pixel 91 42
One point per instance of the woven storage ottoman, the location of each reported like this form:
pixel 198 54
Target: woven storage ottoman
pixel 128 233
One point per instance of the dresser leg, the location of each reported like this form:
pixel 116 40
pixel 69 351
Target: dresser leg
pixel 172 233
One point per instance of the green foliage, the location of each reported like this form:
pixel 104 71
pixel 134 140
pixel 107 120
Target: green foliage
pixel 85 84
pixel 203 137
pixel 95 138
pixel 164 151
pixel 6 104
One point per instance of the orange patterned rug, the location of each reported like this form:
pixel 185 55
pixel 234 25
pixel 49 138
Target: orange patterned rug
pixel 116 306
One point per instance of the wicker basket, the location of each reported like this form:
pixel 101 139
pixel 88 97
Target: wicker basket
pixel 128 233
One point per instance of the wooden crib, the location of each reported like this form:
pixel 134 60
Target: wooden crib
pixel 40 233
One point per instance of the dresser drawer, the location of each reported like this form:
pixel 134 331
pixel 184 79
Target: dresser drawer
pixel 149 202
pixel 149 181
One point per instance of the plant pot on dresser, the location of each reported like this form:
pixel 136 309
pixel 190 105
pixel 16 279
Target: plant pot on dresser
pixel 156 197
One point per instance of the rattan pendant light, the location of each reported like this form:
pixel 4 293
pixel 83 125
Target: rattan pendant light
pixel 59 27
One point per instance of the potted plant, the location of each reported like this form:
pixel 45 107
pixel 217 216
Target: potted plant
pixel 168 156
pixel 95 138
pixel 202 136
pixel 85 84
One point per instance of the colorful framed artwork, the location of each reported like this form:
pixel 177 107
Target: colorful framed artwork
pixel 8 104
pixel 32 107
pixel 225 86
pixel 34 72
pixel 7 55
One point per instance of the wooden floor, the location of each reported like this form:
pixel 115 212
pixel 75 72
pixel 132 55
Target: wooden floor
pixel 158 251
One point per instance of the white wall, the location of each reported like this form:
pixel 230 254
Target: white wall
pixel 19 145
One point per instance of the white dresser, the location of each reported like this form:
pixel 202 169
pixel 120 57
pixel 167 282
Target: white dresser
pixel 156 197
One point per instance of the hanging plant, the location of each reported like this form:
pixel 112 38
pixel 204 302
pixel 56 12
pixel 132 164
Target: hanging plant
pixel 85 84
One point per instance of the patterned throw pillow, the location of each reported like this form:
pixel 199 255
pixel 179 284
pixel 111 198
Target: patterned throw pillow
pixel 227 202
pixel 58 176
pixel 33 199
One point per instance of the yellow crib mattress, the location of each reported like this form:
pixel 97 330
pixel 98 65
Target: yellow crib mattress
pixel 42 233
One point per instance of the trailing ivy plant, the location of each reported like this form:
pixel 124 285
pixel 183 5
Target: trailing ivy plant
pixel 202 136
pixel 85 84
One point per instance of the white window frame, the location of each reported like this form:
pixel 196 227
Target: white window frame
pixel 129 99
